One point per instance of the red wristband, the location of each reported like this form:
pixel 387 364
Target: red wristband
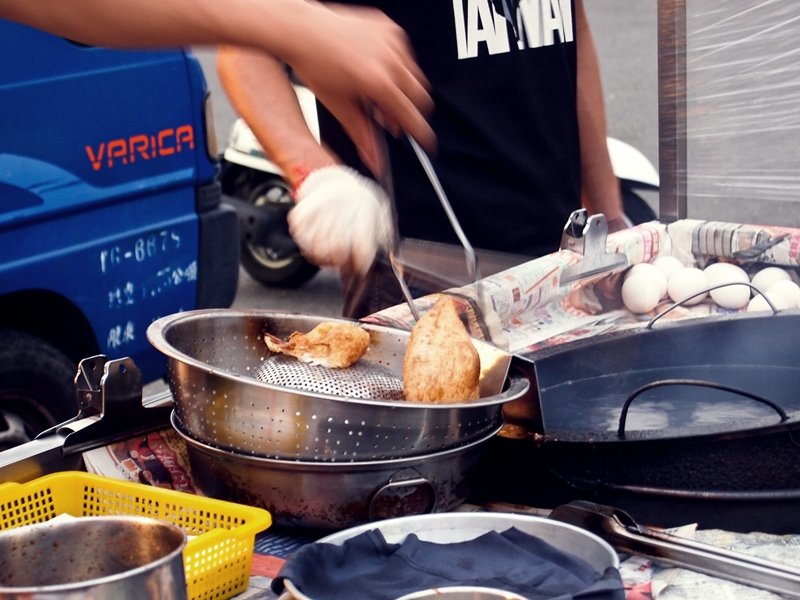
pixel 299 175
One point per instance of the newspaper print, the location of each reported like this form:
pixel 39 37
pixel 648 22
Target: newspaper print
pixel 684 584
pixel 527 308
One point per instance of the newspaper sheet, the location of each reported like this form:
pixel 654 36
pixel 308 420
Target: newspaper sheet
pixel 527 307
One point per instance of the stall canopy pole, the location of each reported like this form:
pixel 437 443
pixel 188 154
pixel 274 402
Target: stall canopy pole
pixel 672 109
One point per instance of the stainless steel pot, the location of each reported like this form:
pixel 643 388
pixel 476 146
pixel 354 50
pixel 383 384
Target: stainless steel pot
pixel 324 495
pixel 94 557
pixel 462 526
pixel 216 357
pixel 462 592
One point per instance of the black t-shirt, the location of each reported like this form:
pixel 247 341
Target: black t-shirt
pixel 504 85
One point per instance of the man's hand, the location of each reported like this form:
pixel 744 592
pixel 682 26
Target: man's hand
pixel 368 73
pixel 341 219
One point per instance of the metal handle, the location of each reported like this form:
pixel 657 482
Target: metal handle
pixel 696 382
pixel 417 494
pixel 706 291
pixel 387 183
pixel 469 252
pixel 624 534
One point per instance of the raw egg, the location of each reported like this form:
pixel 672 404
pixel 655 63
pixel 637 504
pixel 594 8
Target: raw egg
pixel 730 296
pixel 641 292
pixel 688 286
pixel 767 276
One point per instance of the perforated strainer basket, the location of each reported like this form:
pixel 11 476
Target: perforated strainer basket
pixel 227 396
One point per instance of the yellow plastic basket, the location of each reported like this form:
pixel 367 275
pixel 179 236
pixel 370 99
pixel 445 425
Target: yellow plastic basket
pixel 218 555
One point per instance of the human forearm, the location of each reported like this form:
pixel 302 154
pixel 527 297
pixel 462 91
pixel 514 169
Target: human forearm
pixel 342 218
pixel 358 62
pixel 259 89
pixel 600 188
pixel 154 23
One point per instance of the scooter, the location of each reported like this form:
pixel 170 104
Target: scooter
pixel 256 188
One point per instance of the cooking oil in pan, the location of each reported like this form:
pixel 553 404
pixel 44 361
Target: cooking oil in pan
pixel 595 404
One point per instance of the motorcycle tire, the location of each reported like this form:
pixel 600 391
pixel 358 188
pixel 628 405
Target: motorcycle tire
pixel 37 389
pixel 279 264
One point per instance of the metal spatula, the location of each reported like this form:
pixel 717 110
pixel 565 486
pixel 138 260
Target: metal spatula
pixel 623 533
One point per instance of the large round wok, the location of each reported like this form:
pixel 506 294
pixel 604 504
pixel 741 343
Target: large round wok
pixel 685 421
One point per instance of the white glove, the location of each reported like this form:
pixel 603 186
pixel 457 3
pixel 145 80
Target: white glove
pixel 341 218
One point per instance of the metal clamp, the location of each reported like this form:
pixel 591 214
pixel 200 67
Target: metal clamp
pixel 116 396
pixel 586 236
pixel 110 409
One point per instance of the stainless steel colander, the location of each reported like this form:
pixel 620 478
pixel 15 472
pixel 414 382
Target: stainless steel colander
pixel 218 363
pixel 361 380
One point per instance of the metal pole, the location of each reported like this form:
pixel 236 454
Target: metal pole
pixel 672 109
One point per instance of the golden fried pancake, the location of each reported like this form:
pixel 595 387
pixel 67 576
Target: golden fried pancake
pixel 441 364
pixel 335 345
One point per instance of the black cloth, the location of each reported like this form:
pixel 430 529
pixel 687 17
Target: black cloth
pixel 503 77
pixel 367 567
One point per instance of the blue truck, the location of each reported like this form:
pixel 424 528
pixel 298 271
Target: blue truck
pixel 110 214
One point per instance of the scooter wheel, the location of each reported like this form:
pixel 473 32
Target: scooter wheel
pixel 278 263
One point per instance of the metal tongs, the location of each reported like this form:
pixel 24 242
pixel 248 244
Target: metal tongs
pixel 388 185
pixel 623 533
pixel 495 363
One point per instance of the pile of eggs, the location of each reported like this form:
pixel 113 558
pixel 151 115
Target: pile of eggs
pixel 646 284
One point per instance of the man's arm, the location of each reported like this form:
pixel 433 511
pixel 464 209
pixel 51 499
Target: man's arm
pixel 599 186
pixel 260 92
pixel 359 63
pixel 341 218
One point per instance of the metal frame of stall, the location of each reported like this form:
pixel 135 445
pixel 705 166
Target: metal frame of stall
pixel 672 110
pixel 728 120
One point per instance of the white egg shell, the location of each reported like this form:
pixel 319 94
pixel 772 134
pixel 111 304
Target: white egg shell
pixel 788 289
pixel 667 265
pixel 767 276
pixel 640 293
pixel 730 296
pixel 685 286
pixel 650 270
pixel 758 303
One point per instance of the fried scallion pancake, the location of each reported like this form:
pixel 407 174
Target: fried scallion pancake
pixel 334 345
pixel 441 364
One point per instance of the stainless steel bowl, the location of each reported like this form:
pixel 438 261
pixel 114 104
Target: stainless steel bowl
pixel 93 557
pixel 215 357
pixel 324 495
